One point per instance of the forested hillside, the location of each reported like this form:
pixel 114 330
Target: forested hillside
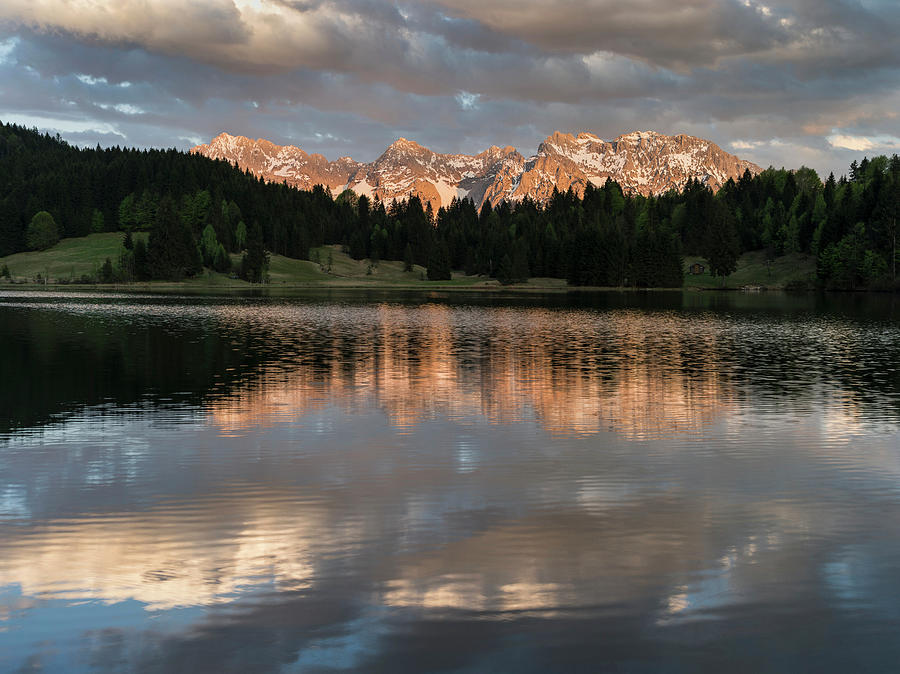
pixel 197 211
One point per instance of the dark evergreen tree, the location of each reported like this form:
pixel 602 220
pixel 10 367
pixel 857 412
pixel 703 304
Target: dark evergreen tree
pixel 407 258
pixel 721 247
pixel 505 270
pixel 221 260
pixel 439 263
pixel 519 268
pixel 171 251
pixel 240 237
pixel 141 264
pixel 255 263
pixel 106 272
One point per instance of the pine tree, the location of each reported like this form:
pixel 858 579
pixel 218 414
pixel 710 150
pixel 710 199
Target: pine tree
pixel 519 267
pixel 127 213
pixel 721 245
pixel 106 272
pixel 97 221
pixel 407 258
pixel 141 264
pixel 171 251
pixel 439 262
pixel 221 261
pixel 504 270
pixel 255 263
pixel 240 237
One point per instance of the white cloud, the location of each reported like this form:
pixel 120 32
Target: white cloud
pixel 7 47
pixel 745 144
pixel 858 143
pixel 864 143
pixel 768 80
pixel 61 125
pixel 128 109
pixel 124 108
pixel 467 100
pixel 89 80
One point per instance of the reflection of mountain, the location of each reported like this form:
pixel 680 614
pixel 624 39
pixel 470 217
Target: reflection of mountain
pixel 667 368
pixel 343 483
pixel 576 372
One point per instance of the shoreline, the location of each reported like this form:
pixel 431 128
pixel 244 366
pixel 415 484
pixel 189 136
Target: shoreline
pixel 480 288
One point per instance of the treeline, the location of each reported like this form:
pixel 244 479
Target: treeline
pixel 179 198
pixel 849 225
pixel 607 238
pixel 199 212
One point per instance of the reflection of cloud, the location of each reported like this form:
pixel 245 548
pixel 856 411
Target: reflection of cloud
pixel 202 553
pixel 678 602
pixel 469 593
pixel 552 566
pixel 690 468
pixel 11 606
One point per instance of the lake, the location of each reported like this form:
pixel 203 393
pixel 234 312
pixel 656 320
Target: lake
pixel 635 482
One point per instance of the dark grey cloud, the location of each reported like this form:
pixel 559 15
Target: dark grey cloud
pixel 783 82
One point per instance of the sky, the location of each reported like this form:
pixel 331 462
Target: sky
pixel 786 83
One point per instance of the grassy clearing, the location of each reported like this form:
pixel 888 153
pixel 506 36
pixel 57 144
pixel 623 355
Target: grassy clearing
pixel 69 259
pixel 72 258
pixel 786 271
pixel 345 271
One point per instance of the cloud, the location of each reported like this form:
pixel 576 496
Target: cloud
pixel 6 48
pixel 745 145
pixel 476 46
pixel 466 100
pixel 667 34
pixel 858 143
pixel 864 143
pixel 348 76
pixel 63 125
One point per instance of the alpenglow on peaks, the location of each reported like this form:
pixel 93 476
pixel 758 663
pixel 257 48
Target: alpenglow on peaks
pixel 643 162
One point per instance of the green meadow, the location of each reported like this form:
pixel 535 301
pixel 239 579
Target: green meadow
pixel 71 259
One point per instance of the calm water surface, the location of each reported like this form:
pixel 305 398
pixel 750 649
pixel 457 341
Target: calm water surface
pixel 622 482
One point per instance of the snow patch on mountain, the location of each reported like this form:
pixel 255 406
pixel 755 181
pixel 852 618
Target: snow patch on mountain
pixel 644 162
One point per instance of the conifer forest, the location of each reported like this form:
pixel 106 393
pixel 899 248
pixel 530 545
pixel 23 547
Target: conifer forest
pixel 198 212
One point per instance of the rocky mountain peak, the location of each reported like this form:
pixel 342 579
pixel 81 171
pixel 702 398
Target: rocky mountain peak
pixel 405 145
pixel 645 162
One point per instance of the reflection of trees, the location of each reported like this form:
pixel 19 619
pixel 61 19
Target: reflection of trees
pixel 642 373
pixel 638 373
pixel 56 362
pixel 341 526
pixel 576 372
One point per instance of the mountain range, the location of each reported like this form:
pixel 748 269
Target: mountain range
pixel 642 162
